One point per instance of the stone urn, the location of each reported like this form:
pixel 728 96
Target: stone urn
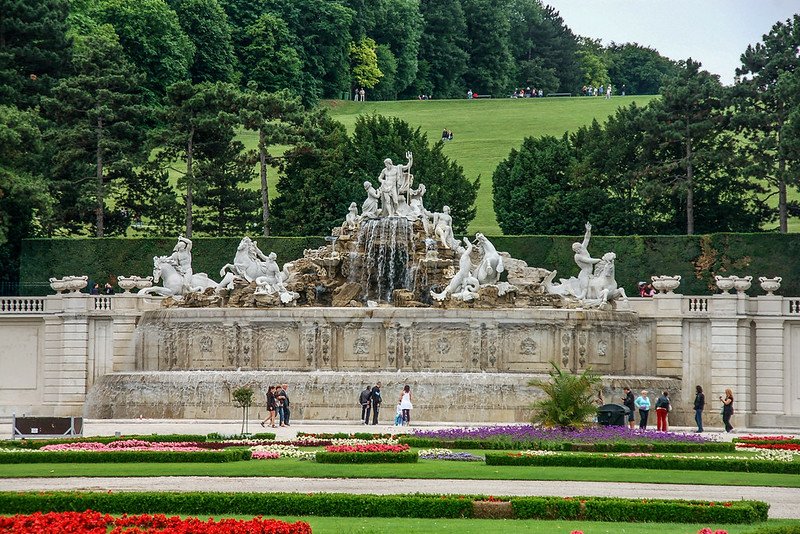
pixel 143 282
pixel 127 282
pixel 76 283
pixel 59 285
pixel 725 283
pixel 770 284
pixel 742 283
pixel 666 284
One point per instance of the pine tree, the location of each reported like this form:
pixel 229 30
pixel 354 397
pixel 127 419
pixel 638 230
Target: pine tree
pixel 490 63
pixel 100 120
pixel 206 25
pixel 34 49
pixel 442 49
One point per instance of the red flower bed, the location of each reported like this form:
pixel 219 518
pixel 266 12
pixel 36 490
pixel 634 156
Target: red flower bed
pixel 765 438
pixel 90 522
pixel 377 447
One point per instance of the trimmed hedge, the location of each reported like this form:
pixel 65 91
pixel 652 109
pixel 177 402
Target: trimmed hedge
pixel 123 456
pixel 325 457
pixel 645 462
pixel 418 505
pixel 617 446
pixel 767 441
pixel 696 258
pixel 783 529
pixel 639 511
pixel 39 443
pixel 274 504
pixel 215 436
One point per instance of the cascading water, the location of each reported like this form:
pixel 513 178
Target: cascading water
pixel 386 246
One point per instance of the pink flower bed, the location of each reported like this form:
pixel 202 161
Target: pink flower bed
pixel 265 455
pixel 127 445
pixel 377 447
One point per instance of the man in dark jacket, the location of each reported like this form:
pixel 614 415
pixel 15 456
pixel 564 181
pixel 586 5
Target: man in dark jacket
pixel 363 400
pixel 375 399
pixel 285 396
pixel 628 401
pixel 699 404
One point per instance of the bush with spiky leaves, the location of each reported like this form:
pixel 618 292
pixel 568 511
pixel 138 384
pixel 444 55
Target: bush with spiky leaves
pixel 569 401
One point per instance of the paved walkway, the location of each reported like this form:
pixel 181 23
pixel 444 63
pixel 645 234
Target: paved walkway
pixel 784 502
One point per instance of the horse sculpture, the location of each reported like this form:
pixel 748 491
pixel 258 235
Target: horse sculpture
pixel 490 267
pixel 602 286
pixel 172 282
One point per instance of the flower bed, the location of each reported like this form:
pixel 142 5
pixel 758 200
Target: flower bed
pixel 39 443
pixel 90 522
pixel 129 445
pixel 776 446
pixel 602 439
pixel 447 454
pixel 124 456
pixel 265 452
pixel 377 447
pixel 421 506
pixel 367 436
pixel 646 461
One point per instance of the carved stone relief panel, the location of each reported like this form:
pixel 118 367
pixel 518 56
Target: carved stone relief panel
pixel 447 348
pixel 526 347
pixel 359 346
pixel 277 346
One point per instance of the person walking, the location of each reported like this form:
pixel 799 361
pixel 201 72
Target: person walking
pixel 363 400
pixel 642 403
pixel 629 402
pixel 279 403
pixel 270 407
pixel 662 411
pixel 286 411
pixel 727 409
pixel 405 404
pixel 699 404
pixel 375 400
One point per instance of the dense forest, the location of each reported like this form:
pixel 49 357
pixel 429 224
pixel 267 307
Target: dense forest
pixel 125 118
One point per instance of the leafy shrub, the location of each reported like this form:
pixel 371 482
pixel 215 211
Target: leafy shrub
pixel 122 456
pixel 569 398
pixel 324 457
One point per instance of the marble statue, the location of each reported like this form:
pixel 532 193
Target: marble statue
pixel 415 201
pixel 394 180
pixel 369 209
pixel 173 282
pixel 182 258
pixel 595 284
pixel 274 281
pixel 351 219
pixel 443 228
pixel 491 265
pixel 463 286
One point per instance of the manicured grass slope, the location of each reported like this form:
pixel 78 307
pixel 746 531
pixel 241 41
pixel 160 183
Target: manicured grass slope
pixel 485 131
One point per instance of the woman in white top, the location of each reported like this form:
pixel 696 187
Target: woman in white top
pixel 405 405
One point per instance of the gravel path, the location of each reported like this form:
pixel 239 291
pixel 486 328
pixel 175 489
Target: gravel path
pixel 785 502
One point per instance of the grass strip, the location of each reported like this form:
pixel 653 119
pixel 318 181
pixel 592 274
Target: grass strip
pixel 123 456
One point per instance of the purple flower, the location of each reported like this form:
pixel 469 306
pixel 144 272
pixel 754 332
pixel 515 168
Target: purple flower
pixel 529 433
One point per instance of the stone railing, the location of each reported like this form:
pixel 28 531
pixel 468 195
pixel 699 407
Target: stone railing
pixel 103 303
pixel 22 304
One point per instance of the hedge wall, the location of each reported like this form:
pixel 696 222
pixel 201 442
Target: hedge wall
pixel 696 258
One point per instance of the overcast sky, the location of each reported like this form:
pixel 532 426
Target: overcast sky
pixel 714 32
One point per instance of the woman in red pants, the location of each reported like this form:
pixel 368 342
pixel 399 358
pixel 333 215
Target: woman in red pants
pixel 662 410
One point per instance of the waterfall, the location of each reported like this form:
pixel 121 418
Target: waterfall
pixel 385 247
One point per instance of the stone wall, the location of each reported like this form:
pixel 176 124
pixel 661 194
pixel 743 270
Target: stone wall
pixel 56 349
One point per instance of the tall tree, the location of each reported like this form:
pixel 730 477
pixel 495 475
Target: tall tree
pixel 766 95
pixel 206 25
pixel 269 57
pixel 198 124
pixel 100 120
pixel 25 202
pixel 399 26
pixel 490 62
pixel 376 137
pixel 639 68
pixel 526 19
pixel 442 49
pixel 555 45
pixel 320 42
pixel 34 49
pixel 364 63
pixel 151 37
pixel 276 117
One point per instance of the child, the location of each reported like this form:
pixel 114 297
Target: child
pixel 398 417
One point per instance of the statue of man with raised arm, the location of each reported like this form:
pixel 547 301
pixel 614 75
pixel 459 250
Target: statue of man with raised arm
pixel 392 179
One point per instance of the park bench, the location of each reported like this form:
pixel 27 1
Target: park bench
pixel 559 94
pixel 46 427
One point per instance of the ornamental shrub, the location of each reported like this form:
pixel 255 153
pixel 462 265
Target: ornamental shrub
pixel 569 400
pixel 645 462
pixel 324 457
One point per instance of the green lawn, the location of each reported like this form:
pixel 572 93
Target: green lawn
pixel 485 131
pixel 361 525
pixel 428 469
